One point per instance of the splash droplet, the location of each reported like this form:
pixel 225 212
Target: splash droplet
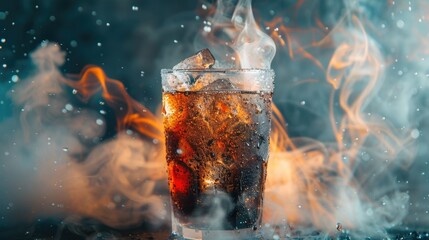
pixel 15 78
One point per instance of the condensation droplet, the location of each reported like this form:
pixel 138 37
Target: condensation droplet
pixel 99 122
pixel 69 107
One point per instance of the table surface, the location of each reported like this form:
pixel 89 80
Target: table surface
pixel 54 230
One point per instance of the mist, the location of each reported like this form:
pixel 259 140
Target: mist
pixel 351 84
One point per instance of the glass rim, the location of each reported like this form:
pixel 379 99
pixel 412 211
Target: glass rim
pixel 218 70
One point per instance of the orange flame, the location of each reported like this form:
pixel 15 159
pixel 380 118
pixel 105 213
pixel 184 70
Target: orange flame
pixel 129 113
pixel 304 173
pixel 294 45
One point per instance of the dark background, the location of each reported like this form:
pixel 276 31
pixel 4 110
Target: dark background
pixel 133 40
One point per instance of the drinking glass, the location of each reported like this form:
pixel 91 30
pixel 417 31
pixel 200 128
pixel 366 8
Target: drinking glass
pixel 217 126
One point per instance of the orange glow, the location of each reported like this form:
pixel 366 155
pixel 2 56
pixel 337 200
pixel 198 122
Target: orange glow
pixel 302 172
pixel 286 36
pixel 129 113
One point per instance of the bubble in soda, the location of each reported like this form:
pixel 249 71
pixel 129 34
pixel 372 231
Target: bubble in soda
pixel 223 137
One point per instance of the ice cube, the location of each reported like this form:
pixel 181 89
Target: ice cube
pixel 220 84
pixel 179 81
pixel 201 60
pixel 201 81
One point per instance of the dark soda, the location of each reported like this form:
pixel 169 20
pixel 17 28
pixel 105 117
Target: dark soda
pixel 217 148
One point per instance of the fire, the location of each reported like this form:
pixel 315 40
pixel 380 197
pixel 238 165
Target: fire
pixel 341 181
pixel 308 179
pixel 129 113
pixel 309 182
pixel 303 173
pixel 288 37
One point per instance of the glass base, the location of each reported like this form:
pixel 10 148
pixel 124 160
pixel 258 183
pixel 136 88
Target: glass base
pixel 180 233
pixel 194 234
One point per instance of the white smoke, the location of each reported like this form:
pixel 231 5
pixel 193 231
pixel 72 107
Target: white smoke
pixel 254 48
pixel 235 38
pixel 57 165
pixel 48 164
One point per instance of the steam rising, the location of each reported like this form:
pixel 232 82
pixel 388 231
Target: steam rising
pixel 254 48
pixel 237 41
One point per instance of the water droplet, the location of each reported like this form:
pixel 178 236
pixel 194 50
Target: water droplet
pixel 65 149
pixel 69 107
pixel 207 29
pixel 74 91
pixel 179 151
pixel 415 133
pixel 99 122
pixel 15 78
pixel 135 8
pixel 400 23
pixel 73 43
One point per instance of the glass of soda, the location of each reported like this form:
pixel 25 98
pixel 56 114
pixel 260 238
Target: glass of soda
pixel 217 127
